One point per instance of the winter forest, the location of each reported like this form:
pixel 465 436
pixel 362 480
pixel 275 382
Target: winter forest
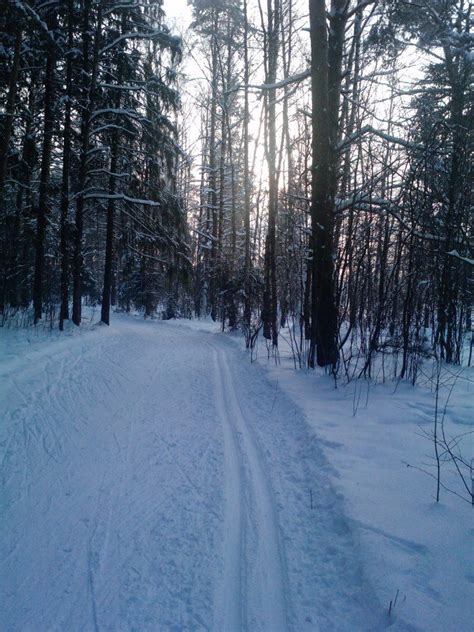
pixel 236 260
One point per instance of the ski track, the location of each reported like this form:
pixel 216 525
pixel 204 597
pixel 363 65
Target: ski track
pixel 228 604
pixel 154 480
pixel 262 578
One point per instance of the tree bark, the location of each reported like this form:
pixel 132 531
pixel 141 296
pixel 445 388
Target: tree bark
pixel 10 109
pixel 247 303
pixel 269 312
pixel 90 79
pixel 64 310
pixel 323 347
pixel 212 194
pixel 109 246
pixel 42 209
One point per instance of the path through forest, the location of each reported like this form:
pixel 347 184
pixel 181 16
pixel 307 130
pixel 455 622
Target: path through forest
pixel 154 479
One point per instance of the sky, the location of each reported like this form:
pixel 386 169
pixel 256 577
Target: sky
pixel 177 13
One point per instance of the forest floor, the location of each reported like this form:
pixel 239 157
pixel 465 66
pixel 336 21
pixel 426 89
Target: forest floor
pixel 154 479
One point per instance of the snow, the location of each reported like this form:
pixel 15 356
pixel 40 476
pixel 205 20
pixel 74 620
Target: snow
pixel 455 253
pixel 154 479
pixel 376 436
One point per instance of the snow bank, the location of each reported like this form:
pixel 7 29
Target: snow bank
pixel 418 552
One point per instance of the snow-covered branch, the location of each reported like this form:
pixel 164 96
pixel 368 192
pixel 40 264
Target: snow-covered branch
pixel 99 195
pixel 368 129
pixel 274 86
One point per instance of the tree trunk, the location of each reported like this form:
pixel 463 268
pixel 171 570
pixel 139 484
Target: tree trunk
pixel 247 303
pixel 323 348
pixel 42 209
pixel 109 246
pixel 212 194
pixel 269 312
pixel 106 294
pixel 10 109
pixel 64 310
pixel 90 80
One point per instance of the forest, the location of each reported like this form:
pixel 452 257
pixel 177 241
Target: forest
pixel 314 175
pixel 236 348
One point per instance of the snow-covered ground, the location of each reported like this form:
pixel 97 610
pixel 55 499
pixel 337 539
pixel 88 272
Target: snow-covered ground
pixel 377 437
pixel 154 479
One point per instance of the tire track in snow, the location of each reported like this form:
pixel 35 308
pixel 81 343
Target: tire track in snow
pixel 259 563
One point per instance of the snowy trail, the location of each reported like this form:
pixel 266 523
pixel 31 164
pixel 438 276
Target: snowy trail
pixel 153 479
pixel 229 592
pixel 263 575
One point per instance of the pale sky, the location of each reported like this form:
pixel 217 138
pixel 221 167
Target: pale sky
pixel 177 13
